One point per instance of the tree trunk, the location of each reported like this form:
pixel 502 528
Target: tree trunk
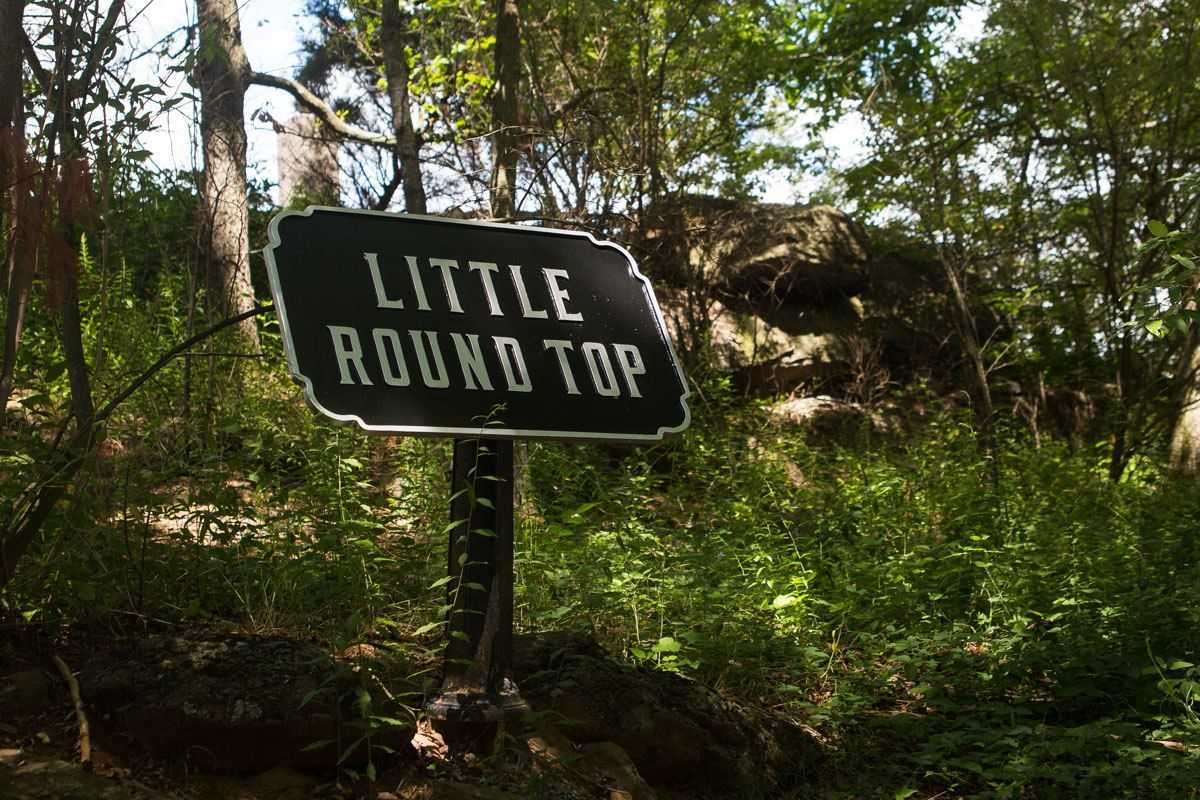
pixel 221 73
pixel 1125 395
pixel 504 109
pixel 71 335
pixel 11 12
pixel 18 271
pixel 1185 438
pixel 395 67
pixel 970 338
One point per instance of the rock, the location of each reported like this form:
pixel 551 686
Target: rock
pixel 604 763
pixel 813 254
pixel 227 701
pixel 791 296
pixel 741 335
pixel 549 742
pixel 828 416
pixel 675 731
pixel 611 767
pixel 454 790
pixel 281 783
pixel 768 348
pixel 24 692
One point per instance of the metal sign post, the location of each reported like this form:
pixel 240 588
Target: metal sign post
pixel 477 685
pixel 418 325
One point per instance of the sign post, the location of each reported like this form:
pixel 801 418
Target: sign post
pixel 477 683
pixel 484 332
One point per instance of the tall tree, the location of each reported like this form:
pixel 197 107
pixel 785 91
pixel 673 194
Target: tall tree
pixel 505 121
pixel 1171 310
pixel 51 224
pixel 221 75
pixel 1068 126
pixel 12 48
pixel 1185 434
pixel 393 30
pixel 18 271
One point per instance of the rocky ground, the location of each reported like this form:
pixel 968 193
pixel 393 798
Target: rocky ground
pixel 243 717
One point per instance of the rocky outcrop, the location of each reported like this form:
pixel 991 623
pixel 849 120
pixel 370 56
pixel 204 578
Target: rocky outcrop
pixel 253 703
pixel 810 254
pixel 677 733
pixel 739 336
pixel 800 297
pixel 229 701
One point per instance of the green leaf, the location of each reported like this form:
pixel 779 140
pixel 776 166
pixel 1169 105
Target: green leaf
pixel 392 721
pixel 1185 261
pixel 317 745
pixel 1157 229
pixel 666 644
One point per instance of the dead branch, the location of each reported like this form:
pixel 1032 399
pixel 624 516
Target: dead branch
pixel 85 735
pixel 322 109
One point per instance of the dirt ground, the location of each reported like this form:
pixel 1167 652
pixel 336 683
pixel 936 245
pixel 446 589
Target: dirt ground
pixel 223 716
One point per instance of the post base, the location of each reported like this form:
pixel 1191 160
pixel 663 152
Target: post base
pixel 505 705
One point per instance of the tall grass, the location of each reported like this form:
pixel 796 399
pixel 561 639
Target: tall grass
pixel 1001 624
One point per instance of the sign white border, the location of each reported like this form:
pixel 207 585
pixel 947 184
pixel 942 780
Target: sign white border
pixel 483 430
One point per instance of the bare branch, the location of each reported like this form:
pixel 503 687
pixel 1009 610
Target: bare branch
pixel 319 107
pixel 35 66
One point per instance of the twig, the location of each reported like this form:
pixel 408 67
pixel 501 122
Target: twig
pixel 85 737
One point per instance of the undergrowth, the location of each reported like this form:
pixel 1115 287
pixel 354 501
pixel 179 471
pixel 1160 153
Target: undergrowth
pixel 989 624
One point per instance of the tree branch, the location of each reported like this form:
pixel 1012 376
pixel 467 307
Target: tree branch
pixel 23 523
pixel 104 39
pixel 561 110
pixel 35 66
pixel 319 107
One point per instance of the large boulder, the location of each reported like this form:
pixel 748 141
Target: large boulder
pixel 808 254
pixel 253 703
pixel 229 701
pixel 789 298
pixel 767 347
pixel 740 335
pixel 678 733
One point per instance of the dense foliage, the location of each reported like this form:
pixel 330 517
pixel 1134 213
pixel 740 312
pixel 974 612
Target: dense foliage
pixel 994 625
pixel 960 603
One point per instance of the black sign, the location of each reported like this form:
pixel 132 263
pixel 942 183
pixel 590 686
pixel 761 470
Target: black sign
pixel 423 325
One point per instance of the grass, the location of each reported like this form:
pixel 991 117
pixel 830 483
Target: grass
pixel 955 622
